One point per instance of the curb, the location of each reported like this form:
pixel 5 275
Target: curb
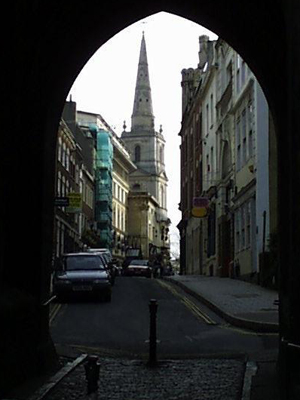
pixel 257 326
pixel 61 374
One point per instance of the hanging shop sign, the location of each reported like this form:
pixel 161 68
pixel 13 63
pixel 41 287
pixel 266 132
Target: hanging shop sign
pixel 75 203
pixel 200 207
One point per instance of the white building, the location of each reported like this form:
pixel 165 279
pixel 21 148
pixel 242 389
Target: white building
pixel 235 164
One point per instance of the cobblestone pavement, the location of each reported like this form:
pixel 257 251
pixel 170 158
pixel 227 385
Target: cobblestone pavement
pixel 121 379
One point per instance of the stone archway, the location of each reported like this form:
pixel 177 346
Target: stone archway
pixel 45 48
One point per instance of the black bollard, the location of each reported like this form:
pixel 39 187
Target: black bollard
pixel 152 362
pixel 92 369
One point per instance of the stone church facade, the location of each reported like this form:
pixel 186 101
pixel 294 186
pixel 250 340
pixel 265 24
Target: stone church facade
pixel 146 147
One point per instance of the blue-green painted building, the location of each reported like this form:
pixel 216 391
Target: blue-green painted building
pixel 103 186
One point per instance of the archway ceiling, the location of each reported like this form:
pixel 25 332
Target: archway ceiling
pixel 67 34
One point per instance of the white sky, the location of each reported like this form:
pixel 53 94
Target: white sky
pixel 106 85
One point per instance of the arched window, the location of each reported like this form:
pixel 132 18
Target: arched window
pixel 137 153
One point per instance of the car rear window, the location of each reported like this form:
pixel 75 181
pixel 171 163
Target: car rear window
pixel 74 263
pixel 139 262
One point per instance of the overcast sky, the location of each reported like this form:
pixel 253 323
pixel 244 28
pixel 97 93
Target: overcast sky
pixel 107 82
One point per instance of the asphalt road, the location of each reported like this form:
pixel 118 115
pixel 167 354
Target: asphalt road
pixel 185 327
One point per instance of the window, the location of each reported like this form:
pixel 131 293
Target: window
pixel 243 233
pixel 207 119
pixel 59 149
pixel 228 74
pixel 68 159
pixel 63 186
pixel 119 219
pixel 137 153
pixel 250 143
pixel 238 85
pixel 243 73
pixel 63 155
pixel 58 184
pixel 161 154
pixel 77 174
pixel 114 215
pixel 211 109
pixel 244 136
pixel 123 221
pixel 212 160
pixel 211 232
pixel 72 166
pixel 237 231
pixel 162 196
pixel 250 128
pixel 248 224
pixel 238 144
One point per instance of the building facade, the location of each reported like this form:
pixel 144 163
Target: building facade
pixel 68 180
pixel 122 167
pixel 114 163
pixel 224 159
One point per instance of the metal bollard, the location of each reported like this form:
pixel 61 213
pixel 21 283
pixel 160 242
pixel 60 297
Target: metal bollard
pixel 152 362
pixel 92 370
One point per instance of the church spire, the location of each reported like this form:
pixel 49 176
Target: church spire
pixel 142 116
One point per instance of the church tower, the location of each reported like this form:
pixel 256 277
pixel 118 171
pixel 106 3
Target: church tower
pixel 145 145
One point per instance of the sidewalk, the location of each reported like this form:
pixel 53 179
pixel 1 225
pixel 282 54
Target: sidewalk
pixel 123 379
pixel 240 303
pixel 245 305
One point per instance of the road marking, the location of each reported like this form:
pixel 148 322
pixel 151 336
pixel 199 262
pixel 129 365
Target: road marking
pixel 189 304
pixel 247 332
pixel 197 311
pixel 54 313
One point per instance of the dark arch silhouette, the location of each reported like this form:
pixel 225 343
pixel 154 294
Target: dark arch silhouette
pixel 44 48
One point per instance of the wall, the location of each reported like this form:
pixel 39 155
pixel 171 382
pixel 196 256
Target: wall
pixel 262 170
pixel 43 54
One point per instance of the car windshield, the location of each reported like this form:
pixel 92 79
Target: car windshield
pixel 86 263
pixel 139 262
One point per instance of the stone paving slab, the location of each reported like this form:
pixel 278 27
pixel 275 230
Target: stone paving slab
pixel 121 379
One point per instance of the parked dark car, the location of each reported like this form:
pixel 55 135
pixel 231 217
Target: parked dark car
pixel 106 257
pixel 138 268
pixel 81 273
